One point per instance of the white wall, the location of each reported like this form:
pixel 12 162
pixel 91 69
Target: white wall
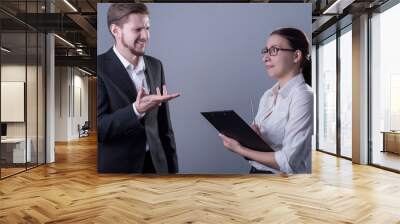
pixel 61 103
pixel 71 93
pixel 80 101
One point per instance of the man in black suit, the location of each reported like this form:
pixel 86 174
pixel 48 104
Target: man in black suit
pixel 134 128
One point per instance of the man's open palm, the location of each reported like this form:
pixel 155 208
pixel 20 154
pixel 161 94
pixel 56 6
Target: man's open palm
pixel 145 101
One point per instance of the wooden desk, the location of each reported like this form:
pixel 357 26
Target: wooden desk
pixel 13 150
pixel 391 141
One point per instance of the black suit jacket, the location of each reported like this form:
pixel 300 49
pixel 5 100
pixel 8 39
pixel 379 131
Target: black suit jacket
pixel 122 135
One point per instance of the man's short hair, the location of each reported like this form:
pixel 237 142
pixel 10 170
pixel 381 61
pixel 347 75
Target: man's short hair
pixel 118 13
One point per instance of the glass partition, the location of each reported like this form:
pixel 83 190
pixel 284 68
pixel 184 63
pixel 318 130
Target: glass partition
pixel 22 88
pixel 14 143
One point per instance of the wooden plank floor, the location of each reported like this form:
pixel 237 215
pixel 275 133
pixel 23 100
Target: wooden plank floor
pixel 70 191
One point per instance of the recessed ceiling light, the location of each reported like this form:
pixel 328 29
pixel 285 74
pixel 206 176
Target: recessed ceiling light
pixel 70 5
pixel 84 71
pixel 338 6
pixel 5 50
pixel 64 40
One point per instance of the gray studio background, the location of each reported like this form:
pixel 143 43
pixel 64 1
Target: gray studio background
pixel 211 55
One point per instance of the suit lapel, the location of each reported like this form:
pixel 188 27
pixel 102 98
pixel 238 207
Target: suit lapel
pixel 149 76
pixel 118 74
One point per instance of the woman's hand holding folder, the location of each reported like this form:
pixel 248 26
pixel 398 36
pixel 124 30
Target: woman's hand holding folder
pixel 256 128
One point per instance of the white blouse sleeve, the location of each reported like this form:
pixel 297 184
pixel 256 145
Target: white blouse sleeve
pixel 296 144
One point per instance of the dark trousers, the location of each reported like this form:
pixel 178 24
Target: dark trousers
pixel 148 166
pixel 253 170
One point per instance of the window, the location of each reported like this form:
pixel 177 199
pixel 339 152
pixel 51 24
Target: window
pixel 345 42
pixel 327 95
pixel 385 89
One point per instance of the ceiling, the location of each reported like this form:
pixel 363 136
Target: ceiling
pixel 76 20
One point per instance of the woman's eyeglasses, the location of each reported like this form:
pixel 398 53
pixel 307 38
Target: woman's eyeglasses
pixel 273 51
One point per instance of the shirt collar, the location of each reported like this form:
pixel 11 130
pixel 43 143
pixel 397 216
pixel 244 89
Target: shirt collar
pixel 127 65
pixel 285 90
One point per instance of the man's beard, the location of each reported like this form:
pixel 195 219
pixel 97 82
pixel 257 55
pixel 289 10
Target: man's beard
pixel 132 49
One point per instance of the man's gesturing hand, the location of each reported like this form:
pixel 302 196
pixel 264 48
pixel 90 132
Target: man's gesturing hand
pixel 145 102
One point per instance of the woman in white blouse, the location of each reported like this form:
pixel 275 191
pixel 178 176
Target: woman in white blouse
pixel 285 114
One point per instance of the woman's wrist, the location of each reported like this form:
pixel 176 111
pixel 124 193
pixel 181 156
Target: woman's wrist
pixel 242 150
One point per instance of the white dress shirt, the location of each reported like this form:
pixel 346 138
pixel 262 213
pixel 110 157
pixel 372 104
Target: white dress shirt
pixel 285 119
pixel 137 76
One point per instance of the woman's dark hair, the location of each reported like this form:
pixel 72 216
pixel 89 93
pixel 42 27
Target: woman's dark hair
pixel 298 41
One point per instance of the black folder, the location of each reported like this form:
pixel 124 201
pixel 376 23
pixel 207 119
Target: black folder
pixel 232 125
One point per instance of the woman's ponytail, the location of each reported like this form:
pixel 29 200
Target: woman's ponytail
pixel 306 70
